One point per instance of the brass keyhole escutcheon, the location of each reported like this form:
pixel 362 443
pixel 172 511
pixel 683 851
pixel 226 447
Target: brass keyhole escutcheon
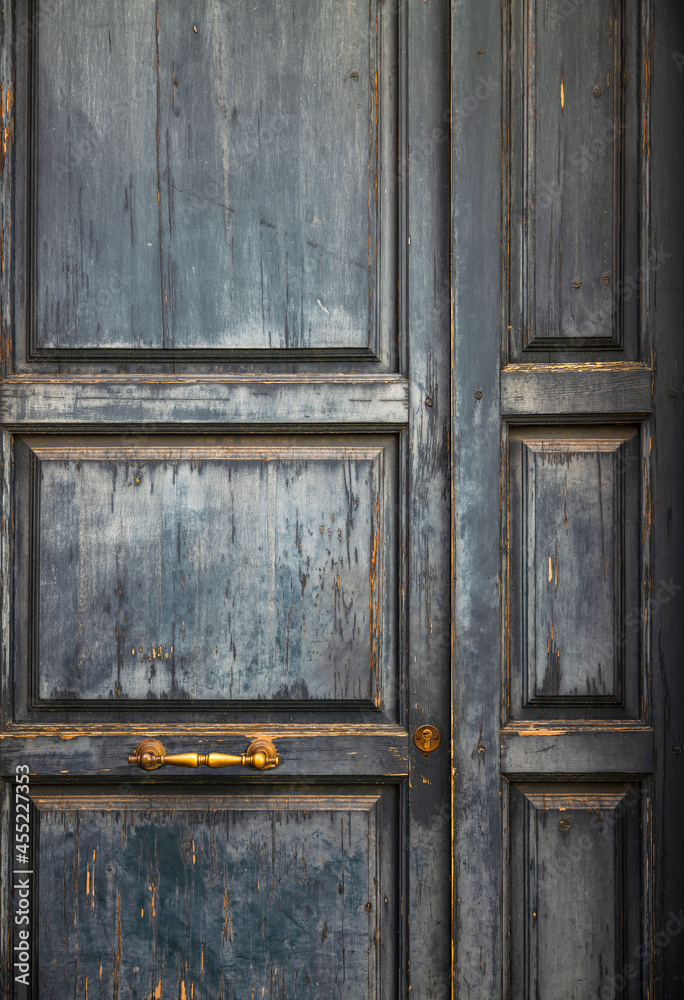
pixel 427 738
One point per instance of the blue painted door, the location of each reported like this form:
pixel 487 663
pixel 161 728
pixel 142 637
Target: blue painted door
pixel 567 538
pixel 339 400
pixel 226 490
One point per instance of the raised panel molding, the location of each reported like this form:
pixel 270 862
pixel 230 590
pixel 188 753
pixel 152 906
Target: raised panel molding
pixel 574 577
pixel 206 606
pixel 575 913
pixel 290 887
pixel 189 199
pixel 574 135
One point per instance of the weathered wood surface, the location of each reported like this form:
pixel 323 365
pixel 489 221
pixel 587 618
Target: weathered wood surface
pixel 574 156
pixel 209 569
pixel 518 865
pixel 207 179
pixel 573 850
pixel 427 553
pixel 321 751
pixel 575 390
pixel 298 301
pixel 519 928
pixel 478 880
pixel 557 748
pixel 215 894
pixel 266 400
pixel 574 571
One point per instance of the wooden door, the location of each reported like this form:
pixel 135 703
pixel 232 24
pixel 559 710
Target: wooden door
pixel 230 407
pixel 225 481
pixel 567 531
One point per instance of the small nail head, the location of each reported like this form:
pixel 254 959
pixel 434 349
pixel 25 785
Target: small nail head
pixel 478 394
pixel 576 283
pixel 428 400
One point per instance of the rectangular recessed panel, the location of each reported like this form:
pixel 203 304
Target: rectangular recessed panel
pixel 212 570
pixel 575 903
pixel 574 585
pixel 207 178
pixel 574 155
pixel 178 894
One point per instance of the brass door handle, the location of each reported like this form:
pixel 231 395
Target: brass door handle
pixel 150 755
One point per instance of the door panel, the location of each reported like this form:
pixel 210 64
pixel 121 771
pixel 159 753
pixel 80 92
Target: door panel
pixel 574 516
pixel 217 171
pixel 558 801
pixel 216 894
pixel 574 904
pixel 119 552
pixel 574 173
pixel 225 481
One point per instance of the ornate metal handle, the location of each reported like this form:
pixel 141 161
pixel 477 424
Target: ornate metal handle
pixel 150 755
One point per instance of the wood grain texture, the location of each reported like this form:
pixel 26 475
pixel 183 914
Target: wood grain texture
pixel 579 387
pixel 130 536
pixel 284 892
pixel 266 400
pixel 559 748
pixel 7 153
pixel 575 907
pixel 587 873
pixel 321 750
pixel 296 253
pixel 573 390
pixel 575 577
pixel 217 179
pixel 573 162
pixel 478 879
pixel 426 598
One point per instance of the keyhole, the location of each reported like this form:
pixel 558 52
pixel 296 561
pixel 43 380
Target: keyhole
pixel 426 739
